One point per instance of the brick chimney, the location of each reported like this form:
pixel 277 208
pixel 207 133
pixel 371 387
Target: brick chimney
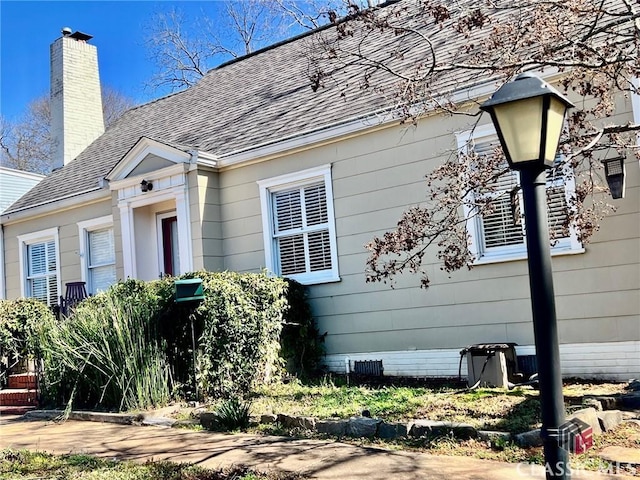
pixel 76 102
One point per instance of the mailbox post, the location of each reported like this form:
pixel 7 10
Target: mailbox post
pixel 189 291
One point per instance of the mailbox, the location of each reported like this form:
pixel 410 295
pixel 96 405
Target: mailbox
pixel 189 290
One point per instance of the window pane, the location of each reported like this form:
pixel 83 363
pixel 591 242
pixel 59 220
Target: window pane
pixel 292 257
pixel 101 247
pixel 51 256
pixel 557 211
pixel 53 289
pixel 39 289
pixel 288 210
pixel 319 251
pixel 36 259
pixel 315 203
pixel 102 278
pixel 499 226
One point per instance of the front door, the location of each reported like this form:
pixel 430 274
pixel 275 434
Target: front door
pixel 169 257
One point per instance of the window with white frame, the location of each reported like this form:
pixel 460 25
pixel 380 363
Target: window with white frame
pixel 39 265
pixel 97 253
pixel 299 226
pixel 498 233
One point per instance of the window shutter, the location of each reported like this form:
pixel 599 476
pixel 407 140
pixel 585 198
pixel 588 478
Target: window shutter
pixel 288 210
pixel 499 226
pixel 37 259
pixel 301 224
pixel 102 268
pixel 39 289
pixel 292 255
pixel 558 211
pixel 101 247
pixel 53 289
pixel 315 202
pixel 42 272
pixel 51 257
pixel 319 251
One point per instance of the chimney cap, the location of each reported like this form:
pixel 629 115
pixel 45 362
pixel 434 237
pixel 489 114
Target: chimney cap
pixel 66 31
pixel 81 36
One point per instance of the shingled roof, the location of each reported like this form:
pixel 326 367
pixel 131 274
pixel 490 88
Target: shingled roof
pixel 261 98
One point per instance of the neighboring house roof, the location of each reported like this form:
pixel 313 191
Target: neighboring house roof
pixel 261 98
pixel 14 184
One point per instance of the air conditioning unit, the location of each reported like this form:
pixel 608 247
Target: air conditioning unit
pixel 491 364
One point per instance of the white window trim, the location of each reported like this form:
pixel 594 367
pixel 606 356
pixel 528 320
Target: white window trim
pixel 566 246
pixel 36 237
pixel 292 180
pixel 83 235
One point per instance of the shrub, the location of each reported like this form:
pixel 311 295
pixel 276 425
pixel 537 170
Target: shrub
pixel 19 320
pixel 241 320
pixel 302 344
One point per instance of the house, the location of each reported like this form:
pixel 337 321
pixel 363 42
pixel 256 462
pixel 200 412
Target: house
pixel 252 168
pixel 13 184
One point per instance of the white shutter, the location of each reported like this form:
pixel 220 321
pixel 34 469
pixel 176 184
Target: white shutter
pixel 301 229
pixel 101 247
pixel 315 203
pixel 52 281
pixel 292 255
pixel 319 251
pixel 288 210
pixel 558 211
pixel 501 226
pixel 39 289
pixel 37 259
pixel 102 268
pixel 42 277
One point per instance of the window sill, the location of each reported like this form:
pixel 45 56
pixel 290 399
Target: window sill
pixel 488 259
pixel 315 279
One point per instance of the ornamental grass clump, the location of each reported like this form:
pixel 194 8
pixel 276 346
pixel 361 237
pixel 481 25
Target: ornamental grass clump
pixel 232 414
pixel 107 353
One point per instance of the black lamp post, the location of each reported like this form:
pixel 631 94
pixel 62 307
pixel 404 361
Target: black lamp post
pixel 529 115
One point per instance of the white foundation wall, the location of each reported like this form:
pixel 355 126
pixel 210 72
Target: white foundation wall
pixel 618 361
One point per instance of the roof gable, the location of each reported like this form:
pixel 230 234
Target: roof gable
pixel 148 155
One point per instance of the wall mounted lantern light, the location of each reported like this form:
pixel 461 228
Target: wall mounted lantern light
pixel 614 172
pixel 146 186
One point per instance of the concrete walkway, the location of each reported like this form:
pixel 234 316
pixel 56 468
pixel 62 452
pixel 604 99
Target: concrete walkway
pixel 314 458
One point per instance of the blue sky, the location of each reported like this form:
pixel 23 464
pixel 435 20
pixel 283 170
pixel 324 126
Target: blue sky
pixel 27 28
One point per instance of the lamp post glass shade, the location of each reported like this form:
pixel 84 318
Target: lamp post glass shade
pixel 529 116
